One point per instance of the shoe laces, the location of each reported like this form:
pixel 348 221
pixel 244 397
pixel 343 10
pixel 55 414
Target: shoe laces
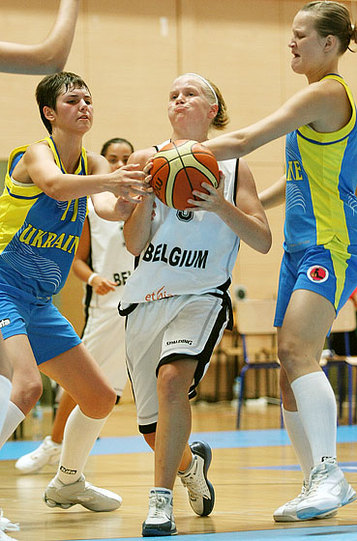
pixel 300 496
pixel 157 504
pixel 193 481
pixel 316 478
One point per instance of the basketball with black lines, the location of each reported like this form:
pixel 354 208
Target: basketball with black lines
pixel 179 168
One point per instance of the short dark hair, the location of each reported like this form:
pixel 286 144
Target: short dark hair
pixel 113 142
pixel 50 88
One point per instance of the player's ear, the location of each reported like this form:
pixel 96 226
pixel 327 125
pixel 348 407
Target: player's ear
pixel 48 113
pixel 213 111
pixel 330 42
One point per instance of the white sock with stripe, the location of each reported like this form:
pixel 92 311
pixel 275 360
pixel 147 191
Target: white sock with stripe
pixel 80 435
pixel 317 408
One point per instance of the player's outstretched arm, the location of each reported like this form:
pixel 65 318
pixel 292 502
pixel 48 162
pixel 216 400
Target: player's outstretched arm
pixel 318 102
pixel 49 56
pixel 38 166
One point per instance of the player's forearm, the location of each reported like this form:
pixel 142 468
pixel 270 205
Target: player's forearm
pixel 251 229
pixel 243 141
pixel 137 229
pixel 109 207
pixel 49 56
pixel 230 145
pixel 64 187
pixel 81 269
pixel 58 44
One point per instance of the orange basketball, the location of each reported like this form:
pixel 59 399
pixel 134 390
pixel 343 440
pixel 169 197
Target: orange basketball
pixel 180 167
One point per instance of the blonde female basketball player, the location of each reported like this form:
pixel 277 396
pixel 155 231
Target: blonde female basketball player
pixel 170 341
pixel 43 208
pixel 46 57
pixel 319 267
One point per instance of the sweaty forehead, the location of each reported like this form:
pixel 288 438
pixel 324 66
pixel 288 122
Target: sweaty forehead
pixel 186 81
pixel 304 20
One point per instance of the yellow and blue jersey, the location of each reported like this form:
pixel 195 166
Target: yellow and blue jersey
pixel 38 234
pixel 321 180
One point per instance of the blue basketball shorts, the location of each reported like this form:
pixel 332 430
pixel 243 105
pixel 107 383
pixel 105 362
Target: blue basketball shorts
pixel 329 270
pixel 48 331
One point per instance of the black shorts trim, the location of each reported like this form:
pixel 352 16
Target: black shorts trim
pixel 205 355
pixel 128 310
pixel 147 429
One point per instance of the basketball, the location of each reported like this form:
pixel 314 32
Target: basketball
pixel 180 167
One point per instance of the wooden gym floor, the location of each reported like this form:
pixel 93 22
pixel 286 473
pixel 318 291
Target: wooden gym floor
pixel 254 470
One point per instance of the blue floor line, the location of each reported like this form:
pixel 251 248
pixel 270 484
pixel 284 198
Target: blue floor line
pixel 335 533
pixel 234 439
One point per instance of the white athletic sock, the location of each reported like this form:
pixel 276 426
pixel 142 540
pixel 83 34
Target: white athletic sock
pixel 299 441
pixel 5 391
pixel 79 437
pixel 316 405
pixel 163 489
pixel 13 418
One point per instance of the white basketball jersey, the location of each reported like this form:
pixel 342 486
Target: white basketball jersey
pixel 109 258
pixel 188 252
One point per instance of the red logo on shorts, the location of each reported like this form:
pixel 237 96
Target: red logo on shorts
pixel 317 274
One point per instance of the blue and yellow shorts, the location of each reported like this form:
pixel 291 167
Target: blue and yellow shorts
pixel 48 331
pixel 329 270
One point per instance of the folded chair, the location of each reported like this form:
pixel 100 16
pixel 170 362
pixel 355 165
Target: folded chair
pixel 254 320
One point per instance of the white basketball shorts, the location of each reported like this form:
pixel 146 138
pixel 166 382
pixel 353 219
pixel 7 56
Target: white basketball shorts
pixel 159 332
pixel 104 337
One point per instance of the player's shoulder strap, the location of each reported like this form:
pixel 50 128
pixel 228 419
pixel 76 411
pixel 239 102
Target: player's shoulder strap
pixel 159 147
pixel 82 167
pixel 236 182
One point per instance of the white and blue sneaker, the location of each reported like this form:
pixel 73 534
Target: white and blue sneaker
pixel 327 491
pixel 160 520
pixel 200 491
pixel 288 511
pixel 5 526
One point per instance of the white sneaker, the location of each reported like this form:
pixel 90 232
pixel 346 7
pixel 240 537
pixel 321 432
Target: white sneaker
pixel 328 490
pixel 287 512
pixel 200 490
pixel 5 537
pixel 5 526
pixel 160 519
pixel 47 453
pixel 83 493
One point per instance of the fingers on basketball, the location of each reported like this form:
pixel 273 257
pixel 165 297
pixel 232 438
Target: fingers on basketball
pixel 181 167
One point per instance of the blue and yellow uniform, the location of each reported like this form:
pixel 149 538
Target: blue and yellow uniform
pixel 38 240
pixel 321 221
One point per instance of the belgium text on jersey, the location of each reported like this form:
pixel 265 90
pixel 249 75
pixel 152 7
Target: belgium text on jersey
pixel 176 256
